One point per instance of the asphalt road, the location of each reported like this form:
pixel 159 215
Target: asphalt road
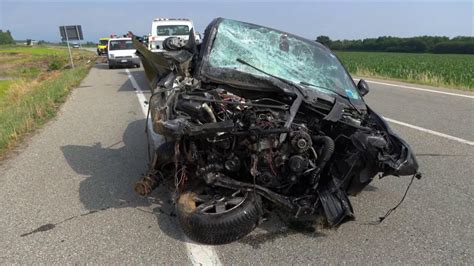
pixel 66 194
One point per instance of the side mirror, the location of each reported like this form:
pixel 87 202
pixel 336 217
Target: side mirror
pixel 363 87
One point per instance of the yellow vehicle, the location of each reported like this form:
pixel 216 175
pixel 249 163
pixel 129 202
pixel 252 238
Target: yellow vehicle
pixel 102 46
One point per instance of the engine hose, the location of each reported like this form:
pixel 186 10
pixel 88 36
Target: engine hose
pixel 329 147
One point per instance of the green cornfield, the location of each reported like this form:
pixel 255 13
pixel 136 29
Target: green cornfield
pixel 443 70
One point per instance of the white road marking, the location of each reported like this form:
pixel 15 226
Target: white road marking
pixel 197 253
pixel 419 89
pixel 431 131
pixel 201 254
pixel 139 92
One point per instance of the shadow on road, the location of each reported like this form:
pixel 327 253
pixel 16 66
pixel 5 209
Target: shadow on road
pixel 127 86
pixel 111 171
pixel 102 65
pixel 274 228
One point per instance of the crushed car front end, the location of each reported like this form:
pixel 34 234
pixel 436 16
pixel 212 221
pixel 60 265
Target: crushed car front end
pixel 254 117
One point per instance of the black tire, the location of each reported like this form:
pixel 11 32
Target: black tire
pixel 137 65
pixel 218 228
pixel 111 66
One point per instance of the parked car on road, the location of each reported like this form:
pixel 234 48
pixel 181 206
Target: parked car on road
pixel 75 45
pixel 121 52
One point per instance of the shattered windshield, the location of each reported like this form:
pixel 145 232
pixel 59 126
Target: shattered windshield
pixel 281 55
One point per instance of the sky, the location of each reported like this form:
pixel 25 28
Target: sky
pixel 347 19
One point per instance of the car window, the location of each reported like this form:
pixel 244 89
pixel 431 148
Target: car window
pixel 172 30
pixel 121 45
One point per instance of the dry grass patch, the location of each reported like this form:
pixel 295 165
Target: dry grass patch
pixel 18 89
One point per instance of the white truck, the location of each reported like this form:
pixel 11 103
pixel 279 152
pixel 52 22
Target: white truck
pixel 162 28
pixel 120 52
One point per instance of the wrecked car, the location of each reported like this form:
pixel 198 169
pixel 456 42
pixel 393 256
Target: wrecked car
pixel 255 119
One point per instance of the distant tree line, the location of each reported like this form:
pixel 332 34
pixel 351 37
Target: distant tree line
pixel 6 37
pixel 421 44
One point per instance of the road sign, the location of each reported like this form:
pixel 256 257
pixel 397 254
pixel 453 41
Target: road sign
pixel 71 33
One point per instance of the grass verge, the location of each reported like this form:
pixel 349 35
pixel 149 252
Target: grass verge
pixel 4 85
pixel 27 103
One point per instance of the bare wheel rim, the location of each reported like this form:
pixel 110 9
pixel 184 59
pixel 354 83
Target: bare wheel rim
pixel 218 204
